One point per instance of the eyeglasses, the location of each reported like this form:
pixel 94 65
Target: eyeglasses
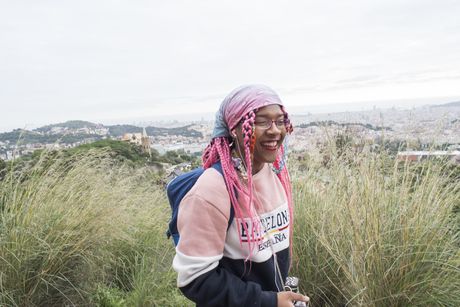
pixel 267 123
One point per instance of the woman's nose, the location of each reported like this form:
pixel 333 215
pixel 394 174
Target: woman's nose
pixel 273 128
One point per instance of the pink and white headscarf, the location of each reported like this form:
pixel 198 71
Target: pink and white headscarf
pixel 240 102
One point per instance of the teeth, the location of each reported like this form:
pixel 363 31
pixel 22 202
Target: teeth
pixel 270 144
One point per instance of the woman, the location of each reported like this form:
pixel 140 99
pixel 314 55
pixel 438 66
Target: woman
pixel 236 225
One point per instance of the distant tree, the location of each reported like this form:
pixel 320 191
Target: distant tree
pixel 180 156
pixel 120 149
pixel 154 155
pixel 172 156
pixel 391 147
pixel 343 142
pixel 119 130
pixel 3 168
pixel 443 146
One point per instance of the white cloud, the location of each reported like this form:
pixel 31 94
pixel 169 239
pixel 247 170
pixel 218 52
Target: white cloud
pixel 63 59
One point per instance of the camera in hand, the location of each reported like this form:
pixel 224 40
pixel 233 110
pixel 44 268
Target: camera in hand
pixel 292 284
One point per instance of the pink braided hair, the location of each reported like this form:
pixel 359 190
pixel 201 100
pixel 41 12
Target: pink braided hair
pixel 284 177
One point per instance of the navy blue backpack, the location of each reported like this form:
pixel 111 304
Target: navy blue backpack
pixel 177 189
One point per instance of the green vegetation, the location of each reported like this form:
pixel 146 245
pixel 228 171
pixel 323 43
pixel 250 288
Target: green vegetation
pixel 84 231
pixel 122 150
pixel 133 153
pixel 374 232
pixel 179 156
pixel 21 137
pixel 119 130
pixel 3 168
pixel 125 152
pixel 44 135
pixel 86 228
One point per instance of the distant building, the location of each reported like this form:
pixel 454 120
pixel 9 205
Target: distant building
pixel 140 139
pixel 145 142
pixel 423 155
pixel 135 138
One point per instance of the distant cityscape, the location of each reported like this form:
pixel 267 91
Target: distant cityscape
pixel 420 128
pixel 430 125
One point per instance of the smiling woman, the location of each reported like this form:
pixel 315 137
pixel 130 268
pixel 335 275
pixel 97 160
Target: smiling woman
pixel 236 225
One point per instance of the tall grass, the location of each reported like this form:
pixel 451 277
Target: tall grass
pixel 374 232
pixel 83 231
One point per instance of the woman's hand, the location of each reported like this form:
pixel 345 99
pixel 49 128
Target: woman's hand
pixel 287 298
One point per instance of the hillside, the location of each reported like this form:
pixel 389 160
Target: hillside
pixel 22 136
pixel 119 130
pixel 450 104
pixel 72 124
pixel 81 131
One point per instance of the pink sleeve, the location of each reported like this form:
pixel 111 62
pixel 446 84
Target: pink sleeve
pixel 202 224
pixel 202 227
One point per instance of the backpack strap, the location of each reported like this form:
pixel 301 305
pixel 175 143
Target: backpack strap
pixel 218 167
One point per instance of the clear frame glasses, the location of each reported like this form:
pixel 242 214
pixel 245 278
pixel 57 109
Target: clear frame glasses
pixel 267 123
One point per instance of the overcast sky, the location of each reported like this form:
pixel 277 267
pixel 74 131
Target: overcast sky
pixel 109 61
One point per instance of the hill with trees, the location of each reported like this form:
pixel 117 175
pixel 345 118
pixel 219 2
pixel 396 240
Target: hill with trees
pixel 75 131
pixel 71 124
pixel 124 152
pixel 22 136
pixel 449 104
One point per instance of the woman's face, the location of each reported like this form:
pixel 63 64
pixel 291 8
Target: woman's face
pixel 268 139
